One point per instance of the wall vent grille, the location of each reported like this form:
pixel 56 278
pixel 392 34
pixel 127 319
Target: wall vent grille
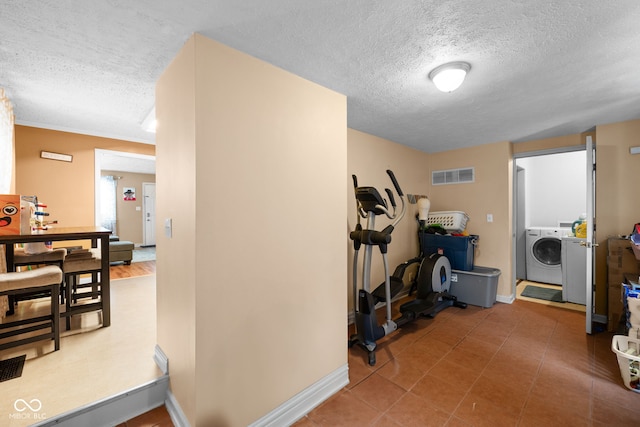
pixel 453 176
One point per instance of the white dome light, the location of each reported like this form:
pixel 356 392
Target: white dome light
pixel 449 77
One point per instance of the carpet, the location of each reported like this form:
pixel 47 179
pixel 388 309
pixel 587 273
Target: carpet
pixel 12 368
pixel 142 254
pixel 547 294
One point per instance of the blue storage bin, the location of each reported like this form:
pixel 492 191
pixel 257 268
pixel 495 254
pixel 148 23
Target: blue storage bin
pixel 458 249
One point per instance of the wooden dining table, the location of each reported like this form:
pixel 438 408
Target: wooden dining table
pixel 98 236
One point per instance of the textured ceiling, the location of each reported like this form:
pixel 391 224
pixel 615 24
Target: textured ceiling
pixel 539 68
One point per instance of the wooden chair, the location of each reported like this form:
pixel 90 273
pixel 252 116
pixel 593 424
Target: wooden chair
pixel 77 290
pixel 46 281
pixel 53 257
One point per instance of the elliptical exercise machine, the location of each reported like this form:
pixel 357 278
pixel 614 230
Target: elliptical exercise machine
pixel 432 281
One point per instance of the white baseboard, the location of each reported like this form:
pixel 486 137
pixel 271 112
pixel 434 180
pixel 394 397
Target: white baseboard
pixel 175 411
pixel 161 360
pixel 305 401
pixel 507 299
pixel 116 409
pixel 287 413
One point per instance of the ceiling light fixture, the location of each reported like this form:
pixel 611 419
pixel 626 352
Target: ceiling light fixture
pixel 449 77
pixel 149 122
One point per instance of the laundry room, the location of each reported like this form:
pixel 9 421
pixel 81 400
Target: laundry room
pixel 551 199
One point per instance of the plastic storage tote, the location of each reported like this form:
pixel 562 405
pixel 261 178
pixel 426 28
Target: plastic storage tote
pixel 627 350
pixel 458 249
pixel 476 287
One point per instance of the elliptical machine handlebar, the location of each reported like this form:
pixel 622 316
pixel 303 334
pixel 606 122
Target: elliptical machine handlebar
pixel 400 194
pixel 395 182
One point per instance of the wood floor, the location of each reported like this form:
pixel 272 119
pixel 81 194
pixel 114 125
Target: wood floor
pixel 122 271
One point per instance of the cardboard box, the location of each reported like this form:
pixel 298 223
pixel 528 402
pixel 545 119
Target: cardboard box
pixel 615 308
pixel 15 215
pixel 620 260
pixel 615 322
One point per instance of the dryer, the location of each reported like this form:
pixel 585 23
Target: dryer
pixel 544 254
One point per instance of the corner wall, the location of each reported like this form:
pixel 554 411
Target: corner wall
pixel 251 166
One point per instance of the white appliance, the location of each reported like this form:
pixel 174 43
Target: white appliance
pixel 544 254
pixel 574 270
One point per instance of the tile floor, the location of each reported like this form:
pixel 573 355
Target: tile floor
pixel 520 364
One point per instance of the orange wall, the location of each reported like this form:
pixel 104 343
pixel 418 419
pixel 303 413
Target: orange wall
pixel 67 188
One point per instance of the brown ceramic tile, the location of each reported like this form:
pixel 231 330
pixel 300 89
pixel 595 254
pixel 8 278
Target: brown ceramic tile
pixel 420 357
pixel 480 412
pixel 539 411
pixel 359 369
pixel 346 410
pixel 412 411
pixel 467 359
pixel 480 347
pixel 509 398
pixel 613 391
pixel 492 332
pixel 564 375
pixel 521 346
pixel 385 421
pixel 454 374
pixel 158 417
pixel 450 333
pixel 615 414
pixel 443 394
pixel 403 373
pixel 518 372
pixel 305 422
pixel 457 422
pixel 378 392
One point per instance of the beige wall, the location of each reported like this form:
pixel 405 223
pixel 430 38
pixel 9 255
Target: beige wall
pixel 129 214
pixel 368 157
pixel 490 194
pixel 176 263
pixel 257 264
pixel 67 188
pixel 617 201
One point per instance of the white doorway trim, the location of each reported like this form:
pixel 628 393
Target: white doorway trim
pixel 514 207
pixel 98 153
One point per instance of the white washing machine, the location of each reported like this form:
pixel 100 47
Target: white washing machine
pixel 544 254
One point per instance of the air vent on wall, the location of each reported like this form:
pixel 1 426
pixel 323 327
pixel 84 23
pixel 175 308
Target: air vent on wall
pixel 453 176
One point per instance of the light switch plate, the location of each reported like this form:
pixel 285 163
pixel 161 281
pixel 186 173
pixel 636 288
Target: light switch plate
pixel 168 227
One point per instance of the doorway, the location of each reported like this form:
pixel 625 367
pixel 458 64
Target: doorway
pixel 549 195
pixel 149 213
pixel 138 166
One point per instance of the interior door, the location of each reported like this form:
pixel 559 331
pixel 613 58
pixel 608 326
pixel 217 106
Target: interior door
pixel 590 241
pixel 149 213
